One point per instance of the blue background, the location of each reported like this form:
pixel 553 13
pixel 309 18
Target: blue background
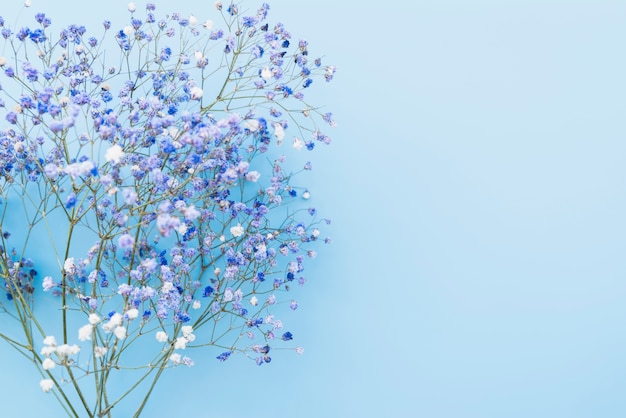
pixel 476 184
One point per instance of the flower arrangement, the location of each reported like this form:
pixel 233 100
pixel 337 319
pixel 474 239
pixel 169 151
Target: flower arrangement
pixel 145 190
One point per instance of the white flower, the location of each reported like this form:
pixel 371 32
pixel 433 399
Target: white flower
pixel 181 343
pixel 252 125
pixel 3 61
pixel 254 301
pixel 50 340
pixel 253 176
pixel 28 3
pixel 48 364
pixel 120 332
pixel 279 132
pixel 69 266
pixel 100 351
pixel 114 321
pixel 316 232
pixel 67 350
pixel 115 154
pixel 161 336
pixel 84 332
pixel 48 283
pixel 167 287
pixel 306 195
pixel 298 144
pixel 191 213
pixel 196 93
pixel 48 350
pixel 187 330
pixel 266 73
pixel 132 313
pixel 196 304
pixel 128 30
pixel 299 350
pixel 237 230
pixel 198 55
pixel 132 7
pixel 193 21
pixel 46 384
pixel 175 358
pixel 94 319
pixel 208 25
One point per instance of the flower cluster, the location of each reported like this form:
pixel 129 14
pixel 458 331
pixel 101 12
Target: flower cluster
pixel 167 158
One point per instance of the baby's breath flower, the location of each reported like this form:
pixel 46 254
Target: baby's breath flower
pixel 120 332
pixel 161 336
pixel 100 351
pixel 175 358
pixel 48 283
pixel 48 364
pixel 180 343
pixel 114 154
pixel 50 341
pixel 66 350
pixel 94 319
pixel 253 176
pixel 70 266
pixel 46 384
pixel 132 313
pixel 84 332
pixel 156 168
pixel 196 93
pixel 298 144
pixel 237 230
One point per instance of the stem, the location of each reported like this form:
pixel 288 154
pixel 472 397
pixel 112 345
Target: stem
pixel 64 282
pixel 154 382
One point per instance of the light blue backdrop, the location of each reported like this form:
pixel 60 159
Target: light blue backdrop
pixel 477 189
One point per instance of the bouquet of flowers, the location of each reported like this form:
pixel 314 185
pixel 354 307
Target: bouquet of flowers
pixel 146 191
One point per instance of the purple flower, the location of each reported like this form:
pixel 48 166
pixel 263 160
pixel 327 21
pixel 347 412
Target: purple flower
pixel 126 241
pixel 11 117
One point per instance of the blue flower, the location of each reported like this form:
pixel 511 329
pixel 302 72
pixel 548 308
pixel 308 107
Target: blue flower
pixel 249 21
pixel 70 201
pixel 38 36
